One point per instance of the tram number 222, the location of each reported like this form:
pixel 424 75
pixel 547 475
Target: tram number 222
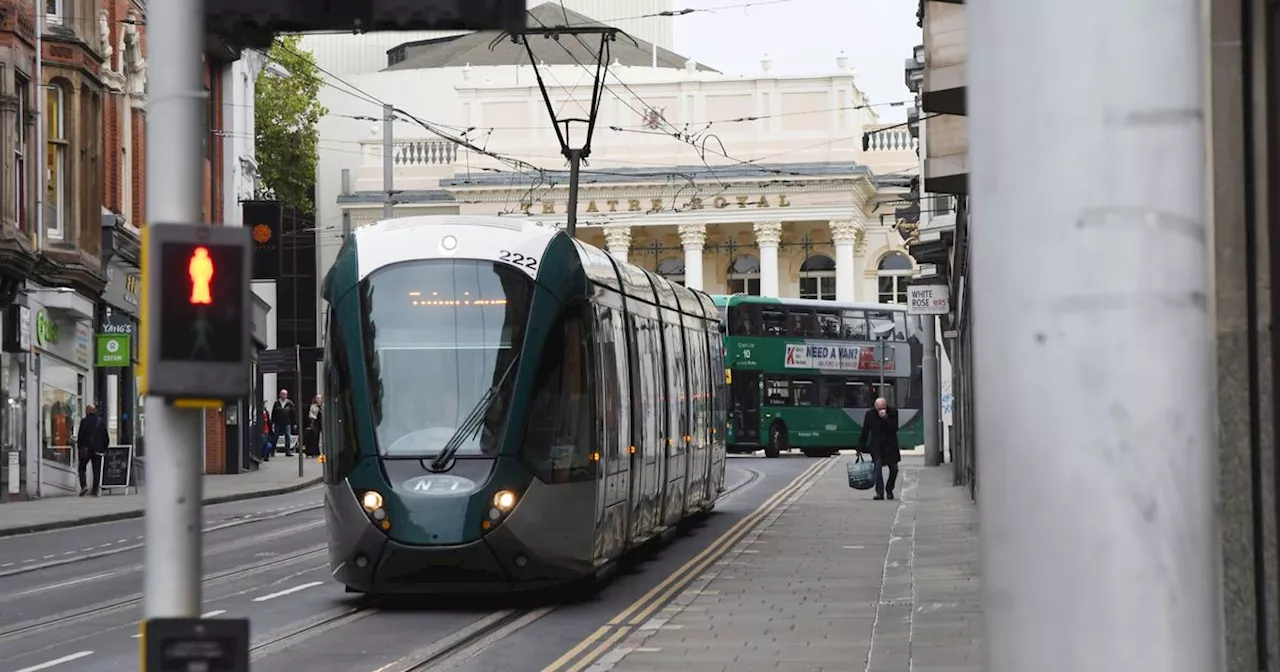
pixel 518 259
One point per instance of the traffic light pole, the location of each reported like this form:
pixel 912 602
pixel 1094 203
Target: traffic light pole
pixel 175 100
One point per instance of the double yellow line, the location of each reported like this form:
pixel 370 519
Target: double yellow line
pixel 641 609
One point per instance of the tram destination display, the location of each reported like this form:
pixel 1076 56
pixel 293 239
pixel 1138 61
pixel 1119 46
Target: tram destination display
pixel 117 467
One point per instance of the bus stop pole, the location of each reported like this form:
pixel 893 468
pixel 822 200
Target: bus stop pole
pixel 1092 354
pixel 175 101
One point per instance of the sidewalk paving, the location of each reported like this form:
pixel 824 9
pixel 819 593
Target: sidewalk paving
pixel 832 580
pixel 275 477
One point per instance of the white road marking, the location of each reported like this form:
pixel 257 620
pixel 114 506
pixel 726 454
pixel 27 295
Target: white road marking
pixel 47 557
pixel 59 661
pixel 208 615
pixel 64 584
pixel 288 591
pixel 7 564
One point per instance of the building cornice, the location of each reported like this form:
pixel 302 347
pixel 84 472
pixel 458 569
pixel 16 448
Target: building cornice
pixel 706 216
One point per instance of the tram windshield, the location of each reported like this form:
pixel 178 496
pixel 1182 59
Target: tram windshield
pixel 439 334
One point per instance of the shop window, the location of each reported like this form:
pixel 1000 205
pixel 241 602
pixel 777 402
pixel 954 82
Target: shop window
pixel 61 407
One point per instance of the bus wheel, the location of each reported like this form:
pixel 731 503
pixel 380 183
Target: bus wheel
pixel 777 440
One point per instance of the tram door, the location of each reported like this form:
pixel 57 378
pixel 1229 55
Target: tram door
pixel 745 397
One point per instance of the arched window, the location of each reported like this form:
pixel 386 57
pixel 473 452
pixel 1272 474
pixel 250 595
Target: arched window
pixel 57 136
pixel 672 269
pixel 893 276
pixel 818 278
pixel 744 276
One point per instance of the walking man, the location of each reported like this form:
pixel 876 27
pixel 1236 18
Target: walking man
pixel 880 438
pixel 91 445
pixel 284 421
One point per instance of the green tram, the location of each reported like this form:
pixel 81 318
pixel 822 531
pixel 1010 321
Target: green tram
pixel 803 373
pixel 508 408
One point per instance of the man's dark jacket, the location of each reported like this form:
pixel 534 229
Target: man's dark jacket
pixel 282 416
pixel 92 436
pixel 880 436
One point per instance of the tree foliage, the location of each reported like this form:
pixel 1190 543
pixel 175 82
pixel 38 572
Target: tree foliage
pixel 287 112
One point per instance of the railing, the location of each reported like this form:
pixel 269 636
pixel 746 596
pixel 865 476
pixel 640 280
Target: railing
pixel 413 153
pixel 893 140
pixel 407 153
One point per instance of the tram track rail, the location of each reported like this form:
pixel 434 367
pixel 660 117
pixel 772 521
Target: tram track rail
pixel 111 606
pixel 87 557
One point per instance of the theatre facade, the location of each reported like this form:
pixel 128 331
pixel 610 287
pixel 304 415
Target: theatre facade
pixel 828 232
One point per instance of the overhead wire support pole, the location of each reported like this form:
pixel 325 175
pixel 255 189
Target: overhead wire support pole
pixel 1093 357
pixel 574 155
pixel 175 107
pixel 388 160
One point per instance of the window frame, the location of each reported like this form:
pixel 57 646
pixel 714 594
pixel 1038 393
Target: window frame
pixel 57 163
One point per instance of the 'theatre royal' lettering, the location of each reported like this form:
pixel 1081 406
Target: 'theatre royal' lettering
pixel 658 204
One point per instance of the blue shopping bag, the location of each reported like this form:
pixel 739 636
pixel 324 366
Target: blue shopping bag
pixel 862 475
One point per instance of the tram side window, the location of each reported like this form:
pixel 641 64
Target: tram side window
pixel 557 445
pixel 341 450
pixel 641 381
pixel 804 392
pixel 774 321
pixel 777 391
pixel 607 352
pixel 657 415
pixel 744 320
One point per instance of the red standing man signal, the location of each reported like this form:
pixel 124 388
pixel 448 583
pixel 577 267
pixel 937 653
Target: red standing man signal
pixel 201 270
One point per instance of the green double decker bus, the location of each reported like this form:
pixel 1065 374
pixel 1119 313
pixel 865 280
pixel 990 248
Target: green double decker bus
pixel 803 373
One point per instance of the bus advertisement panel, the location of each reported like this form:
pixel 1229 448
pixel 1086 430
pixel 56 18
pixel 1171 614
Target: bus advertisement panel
pixel 803 373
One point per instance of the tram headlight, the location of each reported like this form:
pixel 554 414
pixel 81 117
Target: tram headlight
pixel 371 501
pixel 504 500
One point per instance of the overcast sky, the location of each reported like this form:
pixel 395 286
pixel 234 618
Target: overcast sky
pixel 804 37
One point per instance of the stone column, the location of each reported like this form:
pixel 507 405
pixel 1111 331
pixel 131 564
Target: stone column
pixel 693 237
pixel 844 235
pixel 768 235
pixel 618 240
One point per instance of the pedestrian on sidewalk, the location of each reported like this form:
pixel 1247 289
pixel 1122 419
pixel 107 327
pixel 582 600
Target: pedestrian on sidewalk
pixel 315 415
pixel 880 438
pixel 284 422
pixel 91 444
pixel 268 439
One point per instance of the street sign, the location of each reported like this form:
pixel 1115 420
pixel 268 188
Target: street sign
pixel 210 645
pixel 195 307
pixel 928 299
pixel 112 350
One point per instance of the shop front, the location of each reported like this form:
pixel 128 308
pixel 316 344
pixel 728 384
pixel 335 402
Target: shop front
pixel 115 357
pixel 62 343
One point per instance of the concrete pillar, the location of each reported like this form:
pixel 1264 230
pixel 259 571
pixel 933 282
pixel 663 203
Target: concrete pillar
pixel 768 236
pixel 1242 303
pixel 693 237
pixel 618 240
pixel 845 236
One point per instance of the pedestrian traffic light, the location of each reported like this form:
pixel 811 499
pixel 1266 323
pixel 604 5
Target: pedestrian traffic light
pixel 196 311
pixel 253 22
